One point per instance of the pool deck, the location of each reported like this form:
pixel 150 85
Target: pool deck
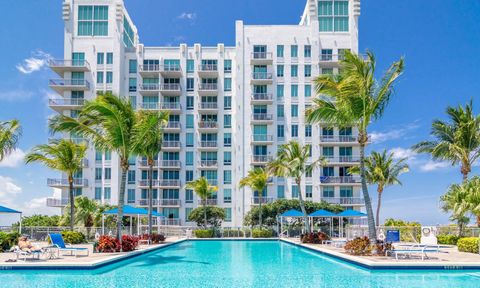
pixel 94 260
pixel 449 259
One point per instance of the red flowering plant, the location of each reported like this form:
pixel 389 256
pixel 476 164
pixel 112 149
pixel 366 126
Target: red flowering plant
pixel 155 238
pixel 129 243
pixel 107 244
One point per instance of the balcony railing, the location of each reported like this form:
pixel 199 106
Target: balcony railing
pixel 208 86
pixel 264 200
pixel 338 138
pixel 262 138
pixel 208 105
pixel 170 163
pixel 57 202
pixel 207 202
pixel 262 76
pixel 170 106
pixel 160 202
pixel 66 102
pixel 149 87
pixel 149 68
pixel 208 144
pixel 208 163
pixel 171 144
pixel 262 55
pixel 171 221
pixel 344 200
pixel 342 159
pixel 69 82
pixel 261 158
pixel 160 183
pixel 262 117
pixel 171 68
pixel 64 63
pixel 262 97
pixel 64 182
pixel 171 87
pixel 173 125
pixel 144 163
pixel 208 68
pixel 207 124
pixel 340 179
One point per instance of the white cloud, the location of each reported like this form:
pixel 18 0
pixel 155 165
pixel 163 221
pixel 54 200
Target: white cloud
pixel 399 153
pixel 393 134
pixel 8 189
pixel 187 16
pixel 14 159
pixel 434 165
pixel 37 61
pixel 15 95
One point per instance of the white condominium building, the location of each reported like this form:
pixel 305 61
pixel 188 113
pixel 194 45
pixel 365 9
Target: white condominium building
pixel 231 107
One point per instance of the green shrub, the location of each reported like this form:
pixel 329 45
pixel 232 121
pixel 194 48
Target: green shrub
pixel 204 233
pixel 261 233
pixel 73 237
pixel 468 244
pixel 447 239
pixel 8 240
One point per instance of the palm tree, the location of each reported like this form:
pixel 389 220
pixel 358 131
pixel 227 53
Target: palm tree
pixel 457 140
pixel 449 202
pixel 148 137
pixel 293 160
pixel 355 97
pixel 64 156
pixel 108 122
pixel 10 132
pixel 204 190
pixel 86 210
pixel 383 170
pixel 257 180
pixel 464 198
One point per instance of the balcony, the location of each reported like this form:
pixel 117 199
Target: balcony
pixel 160 202
pixel 208 164
pixel 172 107
pixel 340 180
pixel 57 202
pixel 62 85
pixel 60 66
pixel 142 164
pixel 171 221
pixel 171 71
pixel 162 183
pixel 171 89
pixel 173 126
pixel 149 69
pixel 262 139
pixel 208 145
pixel 207 125
pixel 342 160
pixel 171 145
pixel 262 98
pixel 338 139
pixel 261 159
pixel 344 200
pixel 262 78
pixel 174 164
pixel 208 70
pixel 261 58
pixel 205 107
pixel 208 89
pixel 60 105
pixel 210 202
pixel 264 200
pixel 262 118
pixel 63 183
pixel 151 89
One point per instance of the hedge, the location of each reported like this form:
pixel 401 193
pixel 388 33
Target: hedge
pixel 468 244
pixel 73 237
pixel 204 233
pixel 261 233
pixel 8 240
pixel 447 239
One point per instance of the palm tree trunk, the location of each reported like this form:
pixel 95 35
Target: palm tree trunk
pixel 464 170
pixel 302 205
pixel 372 232
pixel 260 209
pixel 205 213
pixel 379 204
pixel 72 201
pixel 121 198
pixel 150 197
pixel 478 220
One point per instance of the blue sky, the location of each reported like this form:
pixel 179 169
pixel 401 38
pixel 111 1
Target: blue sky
pixel 439 40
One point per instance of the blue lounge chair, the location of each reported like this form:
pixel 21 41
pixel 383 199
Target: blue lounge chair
pixel 57 240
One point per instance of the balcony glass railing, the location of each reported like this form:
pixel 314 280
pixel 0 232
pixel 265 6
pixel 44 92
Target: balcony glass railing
pixel 338 138
pixel 208 163
pixel 171 144
pixel 262 138
pixel 207 124
pixel 262 76
pixel 261 158
pixel 208 86
pixel 68 63
pixel 208 144
pixel 208 68
pixel 262 117
pixel 340 179
pixel 263 200
pixel 69 82
pixel 66 102
pixel 344 200
pixel 208 105
pixel 149 68
pixel 262 97
pixel 171 87
pixel 262 55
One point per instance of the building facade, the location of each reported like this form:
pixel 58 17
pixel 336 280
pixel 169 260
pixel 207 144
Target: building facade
pixel 230 107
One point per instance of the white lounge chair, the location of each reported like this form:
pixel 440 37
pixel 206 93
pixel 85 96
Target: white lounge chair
pixel 20 253
pixel 413 250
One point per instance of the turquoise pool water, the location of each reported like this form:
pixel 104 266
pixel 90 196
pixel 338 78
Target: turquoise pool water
pixel 236 264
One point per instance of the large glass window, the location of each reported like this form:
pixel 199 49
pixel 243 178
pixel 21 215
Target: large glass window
pixel 227 177
pixel 227 121
pixel 227 65
pixel 131 196
pixel 294 90
pixel 280 71
pixel 227 84
pixel 333 15
pixel 280 192
pixel 308 71
pixel 110 58
pixel 294 51
pixel 307 51
pixel 294 110
pixel 190 66
pixel 227 158
pixel 190 121
pixel 228 214
pixel 328 192
pixel 92 20
pixel 294 70
pixel 280 91
pixel 227 195
pixel 294 130
pixel 280 51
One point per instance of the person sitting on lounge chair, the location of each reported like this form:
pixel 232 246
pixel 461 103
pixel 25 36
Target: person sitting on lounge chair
pixel 26 245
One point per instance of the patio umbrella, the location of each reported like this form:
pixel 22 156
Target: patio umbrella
pixel 323 214
pixel 349 214
pixel 131 211
pixel 6 210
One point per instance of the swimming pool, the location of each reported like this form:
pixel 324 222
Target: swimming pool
pixel 235 264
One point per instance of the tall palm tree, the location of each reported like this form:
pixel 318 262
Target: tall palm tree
pixel 383 170
pixel 293 160
pixel 85 212
pixel 465 198
pixel 456 140
pixel 64 156
pixel 449 202
pixel 147 141
pixel 108 122
pixel 204 190
pixel 355 97
pixel 257 180
pixel 10 132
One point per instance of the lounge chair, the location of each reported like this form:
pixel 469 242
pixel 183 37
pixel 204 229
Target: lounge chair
pixel 336 242
pixel 57 241
pixel 413 250
pixel 20 253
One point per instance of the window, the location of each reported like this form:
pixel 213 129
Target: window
pixel 327 71
pixel 109 77
pixel 308 174
pixel 188 211
pixel 308 191
pixel 189 158
pixel 280 70
pixel 294 110
pixel 308 90
pixel 227 158
pixel 294 70
pixel 190 66
pixel 280 91
pixel 190 84
pixel 328 171
pixel 294 191
pixel 98 155
pixel 190 121
pixel 307 51
pixel 98 173
pixel 131 176
pixel 78 59
pixel 227 102
pixel 132 84
pixel 346 192
pixel 308 71
pixel 92 20
pixel 294 130
pixel 280 192
pixel 132 66
pixel 131 196
pixel 190 102
pixel 227 139
pixel 308 130
pixel 227 177
pixel 227 66
pixel 189 195
pixel 128 34
pixel 108 173
pixel 108 155
pixel 109 58
pixel 227 195
pixel 227 121
pixel 294 51
pixel 227 84
pixel 107 193
pixel 280 111
pixel 188 176
pixel 327 152
pixel 99 77
pixel 294 90
pixel 100 58
pixel 280 51
pixel 280 131
pixel 190 138
pixel 326 55
pixel 341 53
pixel 98 193
pixel 228 214
pixel 328 192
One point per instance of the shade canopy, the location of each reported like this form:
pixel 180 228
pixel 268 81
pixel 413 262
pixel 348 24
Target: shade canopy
pixel 4 209
pixel 351 213
pixel 322 213
pixel 292 213
pixel 133 211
